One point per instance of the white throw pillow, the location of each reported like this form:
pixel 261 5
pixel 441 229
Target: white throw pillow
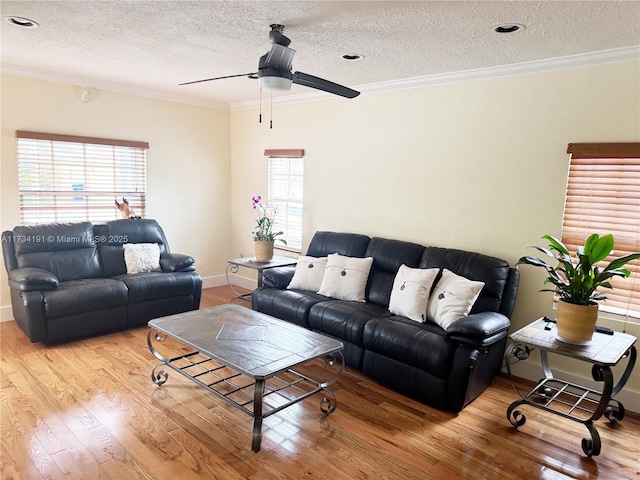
pixel 142 257
pixel 345 278
pixel 410 293
pixel 452 298
pixel 309 273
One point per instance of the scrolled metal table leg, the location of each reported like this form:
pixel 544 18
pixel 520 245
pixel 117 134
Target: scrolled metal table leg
pixel 328 404
pixel 519 352
pixel 516 417
pixel 591 447
pixel 231 268
pixel 161 377
pixel 614 414
pixel 602 373
pixel 331 360
pixel 256 438
pixel 154 334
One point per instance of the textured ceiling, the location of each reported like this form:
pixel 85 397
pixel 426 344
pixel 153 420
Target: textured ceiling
pixel 155 45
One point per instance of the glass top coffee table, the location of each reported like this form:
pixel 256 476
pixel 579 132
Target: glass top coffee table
pixel 248 359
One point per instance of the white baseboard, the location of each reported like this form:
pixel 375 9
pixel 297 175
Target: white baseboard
pixel 6 313
pixel 236 281
pixel 217 281
pixel 532 370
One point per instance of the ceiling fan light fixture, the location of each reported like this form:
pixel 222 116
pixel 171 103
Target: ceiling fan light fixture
pixel 21 22
pixel 275 84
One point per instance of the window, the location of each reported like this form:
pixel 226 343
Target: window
pixel 285 183
pixel 64 178
pixel 603 196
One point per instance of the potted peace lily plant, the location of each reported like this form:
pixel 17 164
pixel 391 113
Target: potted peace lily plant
pixel 577 281
pixel 263 236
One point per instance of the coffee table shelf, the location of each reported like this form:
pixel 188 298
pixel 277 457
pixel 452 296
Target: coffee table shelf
pixel 254 364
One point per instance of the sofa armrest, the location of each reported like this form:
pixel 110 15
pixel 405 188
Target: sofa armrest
pixel 29 279
pixel 176 262
pixel 479 329
pixel 279 277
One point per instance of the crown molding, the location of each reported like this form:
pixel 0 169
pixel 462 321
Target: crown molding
pixel 570 62
pixel 63 78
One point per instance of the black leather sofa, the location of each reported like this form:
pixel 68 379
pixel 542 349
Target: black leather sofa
pixel 70 280
pixel 445 369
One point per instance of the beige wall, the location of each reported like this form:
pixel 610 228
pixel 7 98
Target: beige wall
pixel 188 171
pixel 480 166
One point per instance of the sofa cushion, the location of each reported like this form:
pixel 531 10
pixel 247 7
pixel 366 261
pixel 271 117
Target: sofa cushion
pixel 79 296
pixel 421 345
pixel 388 255
pixel 345 278
pixel 410 294
pixel 143 287
pixel 309 273
pixel 68 250
pixel 110 237
pixel 290 305
pixel 343 319
pixel 348 244
pixel 452 298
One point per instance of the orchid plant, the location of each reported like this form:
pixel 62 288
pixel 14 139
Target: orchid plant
pixel 265 222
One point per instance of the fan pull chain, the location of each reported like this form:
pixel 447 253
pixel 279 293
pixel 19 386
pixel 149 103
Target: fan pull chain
pixel 271 113
pixel 260 115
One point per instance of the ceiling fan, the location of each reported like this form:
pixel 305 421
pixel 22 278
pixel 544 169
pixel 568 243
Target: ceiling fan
pixel 274 70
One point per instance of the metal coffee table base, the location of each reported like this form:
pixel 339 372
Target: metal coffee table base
pixel 260 397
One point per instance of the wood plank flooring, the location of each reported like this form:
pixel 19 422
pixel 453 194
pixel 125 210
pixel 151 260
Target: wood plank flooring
pixel 89 410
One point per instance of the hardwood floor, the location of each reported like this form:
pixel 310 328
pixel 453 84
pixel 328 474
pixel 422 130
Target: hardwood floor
pixel 89 409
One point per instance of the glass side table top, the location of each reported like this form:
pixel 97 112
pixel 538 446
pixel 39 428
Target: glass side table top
pixel 603 349
pixel 275 262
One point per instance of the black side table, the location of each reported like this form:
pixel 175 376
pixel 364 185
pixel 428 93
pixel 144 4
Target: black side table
pixel 566 399
pixel 250 262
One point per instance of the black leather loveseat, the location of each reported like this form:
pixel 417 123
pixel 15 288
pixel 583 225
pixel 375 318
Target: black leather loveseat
pixel 444 368
pixel 70 280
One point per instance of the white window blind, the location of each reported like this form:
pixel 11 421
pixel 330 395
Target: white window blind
pixel 603 196
pixel 285 192
pixel 65 178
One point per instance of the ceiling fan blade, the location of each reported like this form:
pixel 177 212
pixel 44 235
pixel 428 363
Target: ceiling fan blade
pixel 250 75
pixel 325 85
pixel 280 57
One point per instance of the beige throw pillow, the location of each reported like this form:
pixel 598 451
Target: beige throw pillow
pixel 345 278
pixel 452 298
pixel 309 273
pixel 410 293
